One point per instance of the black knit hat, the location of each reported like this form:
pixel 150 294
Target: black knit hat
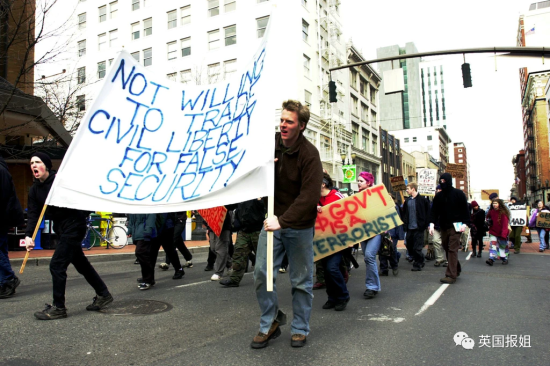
pixel 45 159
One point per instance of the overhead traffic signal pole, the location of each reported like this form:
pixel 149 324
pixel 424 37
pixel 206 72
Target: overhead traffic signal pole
pixel 509 51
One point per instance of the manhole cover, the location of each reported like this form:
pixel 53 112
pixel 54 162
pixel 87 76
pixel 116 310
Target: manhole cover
pixel 136 307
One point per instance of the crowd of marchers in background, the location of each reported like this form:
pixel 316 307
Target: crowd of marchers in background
pixel 444 222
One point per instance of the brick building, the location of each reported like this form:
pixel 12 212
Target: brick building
pixel 519 188
pixel 461 157
pixel 390 150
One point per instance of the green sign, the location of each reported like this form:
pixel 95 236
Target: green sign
pixel 349 173
pixel 343 189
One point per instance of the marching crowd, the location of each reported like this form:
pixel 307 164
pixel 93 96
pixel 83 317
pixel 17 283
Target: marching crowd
pixel 301 190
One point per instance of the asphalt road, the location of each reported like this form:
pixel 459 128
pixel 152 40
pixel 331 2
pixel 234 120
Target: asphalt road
pixel 207 324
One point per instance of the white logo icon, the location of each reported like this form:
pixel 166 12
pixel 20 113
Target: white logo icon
pixel 461 338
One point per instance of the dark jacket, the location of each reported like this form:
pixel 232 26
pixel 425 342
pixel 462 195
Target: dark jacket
pixel 251 215
pixel 298 179
pixel 449 206
pixel 67 221
pixel 11 213
pixel 142 226
pixel 397 232
pixel 422 212
pixel 478 223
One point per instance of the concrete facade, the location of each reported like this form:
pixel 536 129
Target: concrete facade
pixel 433 140
pixel 408 164
pixel 401 110
pixel 365 137
pixel 432 79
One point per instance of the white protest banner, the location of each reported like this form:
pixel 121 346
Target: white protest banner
pixel 427 181
pixel 519 214
pixel 151 145
pixel 354 219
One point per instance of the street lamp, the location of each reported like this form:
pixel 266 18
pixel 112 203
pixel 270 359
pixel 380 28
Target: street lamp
pixel 343 156
pixel 354 155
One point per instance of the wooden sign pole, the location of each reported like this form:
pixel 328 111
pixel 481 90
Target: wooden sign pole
pixel 33 236
pixel 269 266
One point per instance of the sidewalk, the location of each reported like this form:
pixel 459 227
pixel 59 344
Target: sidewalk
pixel 101 253
pixel 198 246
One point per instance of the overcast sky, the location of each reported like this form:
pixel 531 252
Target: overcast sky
pixel 487 117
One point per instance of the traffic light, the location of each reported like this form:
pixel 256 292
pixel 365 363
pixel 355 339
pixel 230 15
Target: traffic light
pixel 332 92
pixel 466 75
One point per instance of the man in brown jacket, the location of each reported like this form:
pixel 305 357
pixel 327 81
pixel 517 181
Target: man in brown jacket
pixel 298 179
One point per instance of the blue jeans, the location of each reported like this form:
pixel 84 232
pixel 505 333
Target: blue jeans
pixel 6 273
pixel 370 249
pixel 542 233
pixel 337 290
pixel 298 245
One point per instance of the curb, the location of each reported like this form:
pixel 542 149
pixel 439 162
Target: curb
pixel 95 258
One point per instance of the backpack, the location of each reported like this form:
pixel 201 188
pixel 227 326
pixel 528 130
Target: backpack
pixel 235 223
pixel 386 248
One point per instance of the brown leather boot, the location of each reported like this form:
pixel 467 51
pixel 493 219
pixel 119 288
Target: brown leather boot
pixel 298 340
pixel 261 340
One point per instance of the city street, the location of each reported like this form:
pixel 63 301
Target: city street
pixel 203 323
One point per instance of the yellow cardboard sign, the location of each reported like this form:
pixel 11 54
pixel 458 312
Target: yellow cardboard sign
pixel 354 219
pixel 543 220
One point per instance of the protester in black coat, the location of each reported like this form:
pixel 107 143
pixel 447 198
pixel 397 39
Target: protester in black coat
pixel 477 229
pixel 70 226
pixel 11 215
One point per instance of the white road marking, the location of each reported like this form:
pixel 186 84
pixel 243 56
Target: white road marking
pixel 433 298
pixel 200 283
pixel 469 255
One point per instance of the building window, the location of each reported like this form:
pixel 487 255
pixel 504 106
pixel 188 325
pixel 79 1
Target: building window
pixel 114 9
pixel 113 37
pixel 354 105
pixel 135 55
pixel 460 155
pixel 172 50
pixel 305 30
pixel 82 21
pixel 429 137
pixel 461 182
pixel 81 48
pixel 185 15
pixel 214 39
pixel 110 61
pixel 459 150
pixel 135 31
pixel 135 5
pixel 101 41
pixel 406 139
pixel 213 8
pixel 230 5
pixel 171 77
pixel 364 113
pixel 213 73
pixel 102 13
pixel 101 69
pixel 353 78
pixel 364 140
pixel 81 75
pixel 261 24
pixel 81 103
pixel 229 68
pixel 230 35
pixel 414 139
pixel 307 98
pixel 148 57
pixel 147 27
pixel 304 3
pixel 186 47
pixel 172 19
pixel 354 134
pixel 460 161
pixel 185 76
pixel 306 65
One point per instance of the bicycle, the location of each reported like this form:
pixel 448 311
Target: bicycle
pixel 116 235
